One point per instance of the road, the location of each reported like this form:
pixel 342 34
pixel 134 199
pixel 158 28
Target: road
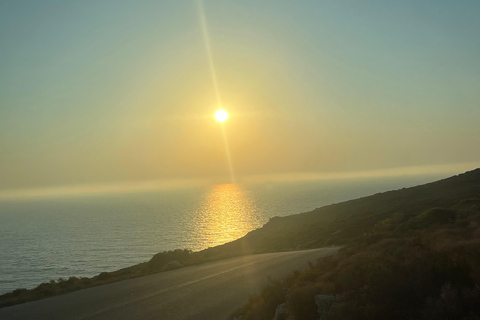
pixel 208 291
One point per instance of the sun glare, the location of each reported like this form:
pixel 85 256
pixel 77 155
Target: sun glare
pixel 221 115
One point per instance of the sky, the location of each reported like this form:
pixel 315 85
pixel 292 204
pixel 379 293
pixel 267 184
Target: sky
pixel 120 92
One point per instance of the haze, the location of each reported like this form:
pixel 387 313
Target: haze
pixel 107 92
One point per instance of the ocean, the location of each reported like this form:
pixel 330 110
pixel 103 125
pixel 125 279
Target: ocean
pixel 81 236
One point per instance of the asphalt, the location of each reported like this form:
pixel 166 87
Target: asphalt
pixel 208 291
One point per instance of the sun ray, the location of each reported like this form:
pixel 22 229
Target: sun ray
pixel 227 152
pixel 221 115
pixel 206 39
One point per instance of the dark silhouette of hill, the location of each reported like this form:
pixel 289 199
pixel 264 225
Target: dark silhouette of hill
pixel 401 212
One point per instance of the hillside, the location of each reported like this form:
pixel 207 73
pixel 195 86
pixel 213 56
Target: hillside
pixel 409 254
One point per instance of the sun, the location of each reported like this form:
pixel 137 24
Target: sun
pixel 221 115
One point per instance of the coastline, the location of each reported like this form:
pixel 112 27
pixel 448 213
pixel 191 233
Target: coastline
pixel 337 224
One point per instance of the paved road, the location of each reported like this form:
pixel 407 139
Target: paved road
pixel 208 291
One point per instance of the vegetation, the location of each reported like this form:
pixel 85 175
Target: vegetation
pixel 415 264
pixel 410 253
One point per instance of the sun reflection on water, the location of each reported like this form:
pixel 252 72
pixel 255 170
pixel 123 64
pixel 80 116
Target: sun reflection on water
pixel 227 213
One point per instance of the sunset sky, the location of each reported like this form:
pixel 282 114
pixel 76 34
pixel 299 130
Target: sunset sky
pixel 104 92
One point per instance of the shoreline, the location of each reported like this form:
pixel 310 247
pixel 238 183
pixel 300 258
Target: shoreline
pixel 332 225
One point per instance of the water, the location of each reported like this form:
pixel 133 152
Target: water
pixel 85 235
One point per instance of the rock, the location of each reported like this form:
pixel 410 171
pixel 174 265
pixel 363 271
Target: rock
pixel 324 302
pixel 281 312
